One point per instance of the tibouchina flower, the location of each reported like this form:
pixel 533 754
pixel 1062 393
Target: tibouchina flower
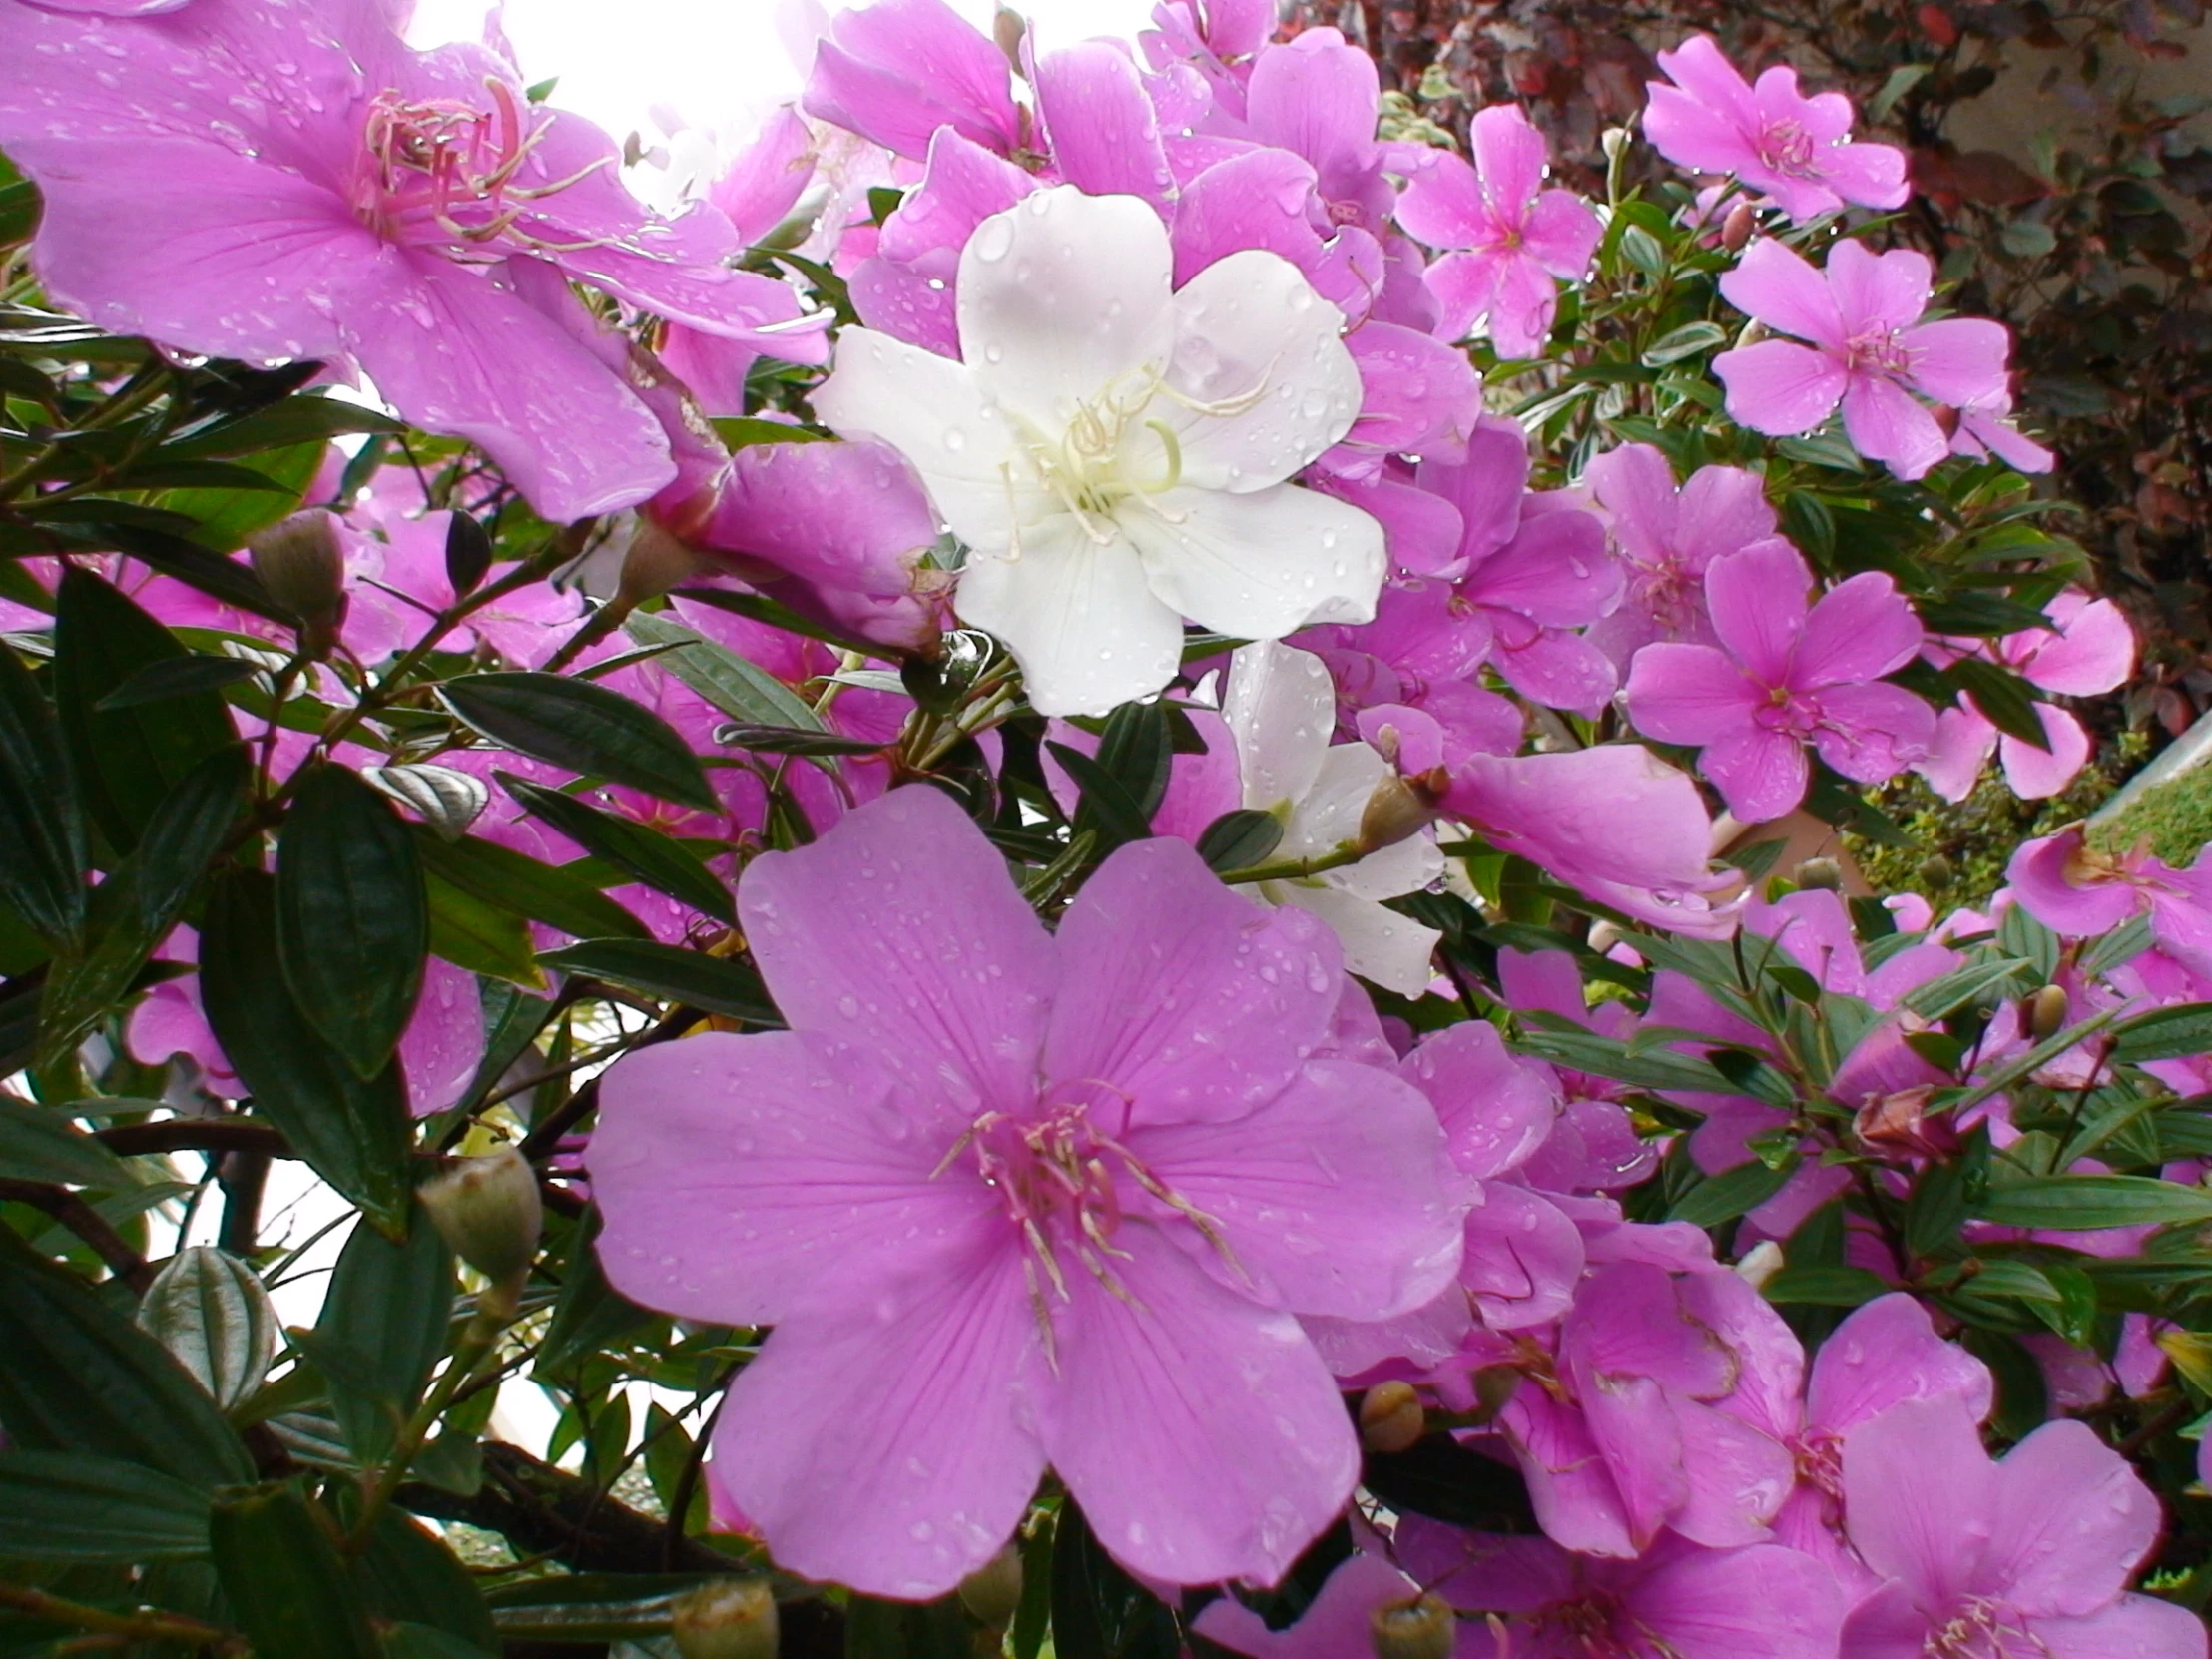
pixel 1282 708
pixel 269 183
pixel 2027 1556
pixel 1509 234
pixel 1113 452
pixel 2074 889
pixel 1870 351
pixel 1012 1197
pixel 1796 150
pixel 1784 675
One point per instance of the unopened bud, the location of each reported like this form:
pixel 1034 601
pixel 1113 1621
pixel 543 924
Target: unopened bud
pixel 1614 141
pixel 1494 1387
pixel 1390 1418
pixel 488 1211
pixel 300 563
pixel 1397 810
pixel 1750 333
pixel 654 562
pixel 1937 872
pixel 725 1618
pixel 1823 875
pixel 1603 936
pixel 2046 1011
pixel 1760 1264
pixel 1899 1126
pixel 1423 1628
pixel 1736 228
pixel 994 1590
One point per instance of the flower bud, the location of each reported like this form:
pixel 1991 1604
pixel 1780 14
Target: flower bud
pixel 1397 810
pixel 300 563
pixel 1736 228
pixel 1390 1418
pixel 1937 872
pixel 1494 1387
pixel 725 1618
pixel 1760 1264
pixel 2047 1012
pixel 1007 28
pixel 488 1211
pixel 994 1590
pixel 1603 936
pixel 1614 141
pixel 1823 874
pixel 1423 1628
pixel 654 562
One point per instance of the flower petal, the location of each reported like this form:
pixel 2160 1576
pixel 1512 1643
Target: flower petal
pixel 1782 289
pixel 1690 694
pixel 1258 566
pixel 2074 1522
pixel 1861 629
pixel 1781 388
pixel 1761 775
pixel 1880 293
pixel 1758 602
pixel 1920 1495
pixel 1884 423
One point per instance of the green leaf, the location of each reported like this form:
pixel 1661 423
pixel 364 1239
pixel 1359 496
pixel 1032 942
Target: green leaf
pixel 1107 809
pixel 1901 80
pixel 184 834
pixel 2009 701
pixel 1820 1286
pixel 484 938
pixel 281 1573
pixel 213 1312
pixel 1098 1610
pixel 1979 981
pixel 1726 1196
pixel 584 728
pixel 2175 1033
pixel 352 1132
pixel 178 677
pixel 125 761
pixel 43 853
pixel 467 552
pixel 353 922
pixel 1655 1068
pixel 1136 749
pixel 1240 840
pixel 448 801
pixel 938 1629
pixel 1685 341
pixel 660 862
pixel 393 1304
pixel 43 1145
pixel 2091 1203
pixel 1439 1477
pixel 588 1606
pixel 711 984
pixel 409 1577
pixel 73 1507
pixel 742 690
pixel 77 1377
pixel 308 418
pixel 1944 1197
pixel 794 740
pixel 590 1315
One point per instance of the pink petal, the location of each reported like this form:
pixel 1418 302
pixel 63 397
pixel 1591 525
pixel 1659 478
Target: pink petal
pixel 1758 602
pixel 1762 1604
pixel 1466 288
pixel 1496 1108
pixel 1520 317
pixel 1783 291
pixel 2040 877
pixel 1570 1485
pixel 2074 1521
pixel 1522 1258
pixel 1333 1626
pixel 1761 775
pixel 900 932
pixel 1872 733
pixel 1888 1352
pixel 1779 387
pixel 444 1040
pixel 897 70
pixel 1960 360
pixel 1885 424
pixel 1861 629
pixel 1316 96
pixel 1964 740
pixel 1691 694
pixel 1880 293
pixel 1724 510
pixel 1212 1017
pixel 1509 157
pixel 1443 204
pixel 890 1445
pixel 1199 1430
pixel 1693 134
pixel 1562 233
pixel 1560 669
pixel 1919 1496
pixel 1636 487
pixel 2092 651
pixel 2035 774
pixel 2133 1627
pixel 1872 175
pixel 1105 134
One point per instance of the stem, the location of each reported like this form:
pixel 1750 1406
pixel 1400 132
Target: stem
pixel 242 1176
pixel 1294 869
pixel 151 1627
pixel 479 1339
pixel 72 1212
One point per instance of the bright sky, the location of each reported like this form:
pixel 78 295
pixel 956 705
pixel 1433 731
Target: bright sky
pixel 719 63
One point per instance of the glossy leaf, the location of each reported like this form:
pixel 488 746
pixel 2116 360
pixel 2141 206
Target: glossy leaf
pixel 281 1573
pixel 711 984
pixel 449 801
pixel 558 896
pixel 1240 840
pixel 2092 1203
pixel 1098 1610
pixel 742 690
pixel 584 728
pixel 75 1506
pixel 658 860
pixel 408 1577
pixel 43 853
pixel 393 1304
pixel 2175 1033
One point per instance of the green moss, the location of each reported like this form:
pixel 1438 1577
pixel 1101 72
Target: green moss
pixel 1958 851
pixel 2174 816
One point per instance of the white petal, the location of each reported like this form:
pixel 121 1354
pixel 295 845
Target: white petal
pixel 1379 944
pixel 1251 334
pixel 1280 708
pixel 933 412
pixel 1329 813
pixel 1258 566
pixel 1079 618
pixel 1407 867
pixel 1064 295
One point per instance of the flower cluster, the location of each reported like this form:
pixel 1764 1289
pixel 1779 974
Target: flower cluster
pixel 1083 760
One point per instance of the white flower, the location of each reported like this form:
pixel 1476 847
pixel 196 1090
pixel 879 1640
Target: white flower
pixel 1113 452
pixel 1280 708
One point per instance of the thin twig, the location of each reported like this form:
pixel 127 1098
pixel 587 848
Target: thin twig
pixel 87 1222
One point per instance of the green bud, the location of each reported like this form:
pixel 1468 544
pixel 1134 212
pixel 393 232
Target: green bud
pixel 300 563
pixel 2047 1012
pixel 488 1211
pixel 1390 1418
pixel 994 1590
pixel 1823 874
pixel 1423 1628
pixel 725 1618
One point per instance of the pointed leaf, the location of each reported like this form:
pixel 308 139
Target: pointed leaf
pixel 73 1507
pixel 39 1144
pixel 711 984
pixel 660 862
pixel 558 896
pixel 393 1305
pixel 281 1573
pixel 582 727
pixel 42 828
pixel 743 690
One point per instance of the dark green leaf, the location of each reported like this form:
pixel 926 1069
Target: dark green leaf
pixel 176 676
pixel 1136 749
pixel 588 1606
pixel 353 922
pixel 584 728
pixel 1824 1286
pixel 1098 1610
pixel 1726 1196
pixel 393 1304
pixel 125 761
pixel 184 836
pixel 2009 701
pixel 75 1506
pixel 2176 1033
pixel 1944 1195
pixel 907 1630
pixel 1439 1477
pixel 78 1377
pixel 232 581
pixel 1979 981
pixel 792 739
pixel 711 984
pixel 426 1641
pixel 742 690
pixel 283 1575
pixel 43 1145
pixel 42 828
pixel 590 1315
pixel 448 801
pixel 1240 840
pixel 297 420
pixel 408 1577
pixel 211 1311
pixel 353 1133
pixel 484 938
pixel 1655 1068
pixel 661 863
pixel 2091 1203
pixel 1107 809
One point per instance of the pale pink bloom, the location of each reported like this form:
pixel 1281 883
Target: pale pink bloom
pixel 1870 351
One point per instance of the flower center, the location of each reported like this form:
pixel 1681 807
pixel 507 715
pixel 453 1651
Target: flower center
pixel 1590 1626
pixel 1787 147
pixel 1980 1629
pixel 1878 351
pixel 441 173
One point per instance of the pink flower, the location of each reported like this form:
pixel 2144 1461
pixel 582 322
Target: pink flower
pixel 1012 1197
pixel 897 71
pixel 1667 537
pixel 2028 1556
pixel 1510 236
pixel 1986 428
pixel 2072 889
pixel 1335 1626
pixel 1794 149
pixel 297 182
pixel 1783 676
pixel 1870 351
pixel 2087 650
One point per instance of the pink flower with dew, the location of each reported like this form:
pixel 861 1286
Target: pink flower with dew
pixel 1675 1602
pixel 2073 889
pixel 1507 237
pixel 2088 649
pixel 1794 150
pixel 1986 1559
pixel 1870 351
pixel 897 71
pixel 1667 537
pixel 1786 674
pixel 1012 1198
